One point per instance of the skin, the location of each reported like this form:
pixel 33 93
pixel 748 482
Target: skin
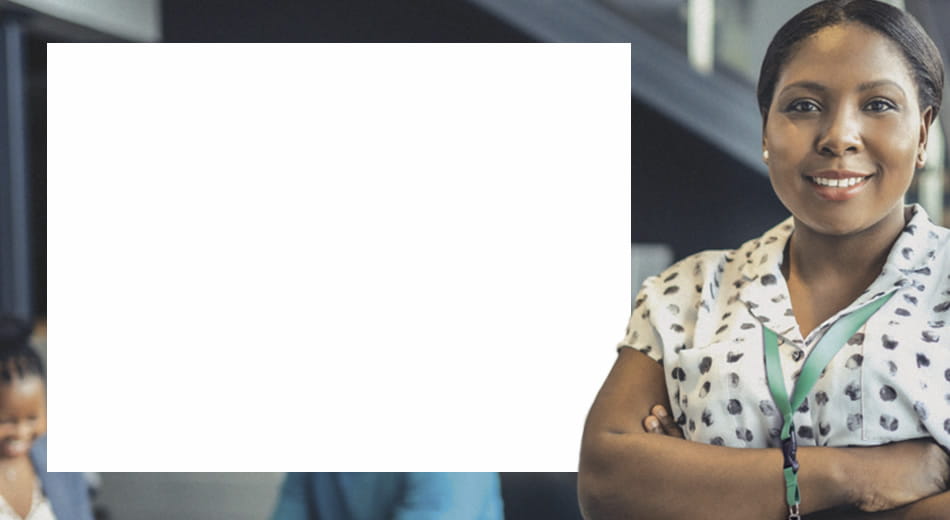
pixel 627 473
pixel 845 101
pixel 659 422
pixel 866 120
pixel 22 403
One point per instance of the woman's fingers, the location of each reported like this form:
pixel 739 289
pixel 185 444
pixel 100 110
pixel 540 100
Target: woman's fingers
pixel 652 425
pixel 666 421
pixel 659 421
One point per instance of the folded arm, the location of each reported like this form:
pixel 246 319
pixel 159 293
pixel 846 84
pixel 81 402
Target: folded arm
pixel 626 472
pixel 932 508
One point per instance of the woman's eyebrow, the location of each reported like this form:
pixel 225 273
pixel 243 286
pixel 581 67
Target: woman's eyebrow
pixel 808 85
pixel 818 87
pixel 880 83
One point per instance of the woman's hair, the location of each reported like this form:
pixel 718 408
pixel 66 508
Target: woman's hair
pixel 17 358
pixel 919 50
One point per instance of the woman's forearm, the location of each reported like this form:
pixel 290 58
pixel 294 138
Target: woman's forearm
pixel 653 476
pixel 936 507
pixel 627 472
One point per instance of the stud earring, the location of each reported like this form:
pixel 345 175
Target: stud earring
pixel 765 156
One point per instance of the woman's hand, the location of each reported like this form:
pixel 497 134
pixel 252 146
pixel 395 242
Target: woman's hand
pixel 627 472
pixel 899 473
pixel 931 508
pixel 659 421
pixel 635 464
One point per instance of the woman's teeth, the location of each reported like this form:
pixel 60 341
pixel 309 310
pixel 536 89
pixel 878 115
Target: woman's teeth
pixel 837 183
pixel 15 447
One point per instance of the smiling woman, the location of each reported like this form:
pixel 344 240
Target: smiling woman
pixel 842 144
pixel 27 490
pixel 803 372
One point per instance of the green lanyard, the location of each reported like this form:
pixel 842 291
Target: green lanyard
pixel 824 351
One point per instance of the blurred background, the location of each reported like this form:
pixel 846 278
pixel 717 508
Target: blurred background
pixel 697 177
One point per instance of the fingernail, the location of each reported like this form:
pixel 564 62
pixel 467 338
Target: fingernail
pixel 652 423
pixel 659 411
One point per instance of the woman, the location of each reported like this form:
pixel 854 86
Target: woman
pixel 27 490
pixel 847 91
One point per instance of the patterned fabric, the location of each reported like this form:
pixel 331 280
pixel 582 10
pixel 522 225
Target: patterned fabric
pixel 39 507
pixel 702 320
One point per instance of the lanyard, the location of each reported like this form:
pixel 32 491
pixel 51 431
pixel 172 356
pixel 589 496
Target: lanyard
pixel 824 351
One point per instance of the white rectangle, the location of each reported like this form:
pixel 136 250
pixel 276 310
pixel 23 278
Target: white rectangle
pixel 320 257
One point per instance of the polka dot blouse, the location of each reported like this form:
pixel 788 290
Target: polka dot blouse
pixel 702 320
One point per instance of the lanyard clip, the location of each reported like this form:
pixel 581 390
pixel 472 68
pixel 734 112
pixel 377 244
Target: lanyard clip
pixel 793 512
pixel 790 452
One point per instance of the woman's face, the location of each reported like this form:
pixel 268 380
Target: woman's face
pixel 21 410
pixel 844 131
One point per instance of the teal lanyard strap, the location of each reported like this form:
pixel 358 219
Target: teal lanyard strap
pixel 824 351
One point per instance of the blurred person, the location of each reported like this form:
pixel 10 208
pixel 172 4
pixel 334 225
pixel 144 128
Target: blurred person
pixel 390 496
pixel 27 490
pixel 808 371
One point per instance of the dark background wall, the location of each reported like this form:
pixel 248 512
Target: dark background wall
pixel 689 194
pixel 332 21
pixel 36 165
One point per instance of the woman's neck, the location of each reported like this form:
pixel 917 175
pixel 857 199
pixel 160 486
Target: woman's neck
pixel 819 258
pixel 825 273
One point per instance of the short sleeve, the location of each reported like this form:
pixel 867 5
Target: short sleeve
pixel 641 331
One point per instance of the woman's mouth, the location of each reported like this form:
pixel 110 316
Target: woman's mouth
pixel 838 183
pixel 15 448
pixel 838 187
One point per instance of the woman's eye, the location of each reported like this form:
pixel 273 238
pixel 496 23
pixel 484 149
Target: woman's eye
pixel 879 105
pixel 802 105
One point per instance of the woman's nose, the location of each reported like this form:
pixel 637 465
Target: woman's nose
pixel 24 430
pixel 841 133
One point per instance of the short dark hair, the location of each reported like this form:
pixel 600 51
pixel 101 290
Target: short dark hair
pixel 919 50
pixel 17 357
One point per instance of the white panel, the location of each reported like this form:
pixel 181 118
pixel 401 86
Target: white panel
pixel 379 253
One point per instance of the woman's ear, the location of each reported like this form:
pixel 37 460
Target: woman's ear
pixel 926 118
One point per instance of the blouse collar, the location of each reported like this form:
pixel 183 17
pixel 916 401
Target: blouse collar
pixel 763 290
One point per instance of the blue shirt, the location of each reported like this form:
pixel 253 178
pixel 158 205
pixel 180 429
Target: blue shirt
pixel 68 493
pixel 395 496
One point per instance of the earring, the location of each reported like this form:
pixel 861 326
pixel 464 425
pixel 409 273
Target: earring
pixel 922 159
pixel 765 156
